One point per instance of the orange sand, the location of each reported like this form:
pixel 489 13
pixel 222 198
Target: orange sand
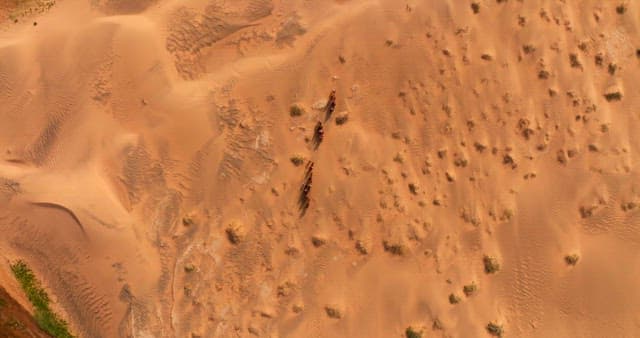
pixel 137 137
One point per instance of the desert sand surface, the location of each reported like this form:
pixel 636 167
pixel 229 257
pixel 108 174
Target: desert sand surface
pixel 147 171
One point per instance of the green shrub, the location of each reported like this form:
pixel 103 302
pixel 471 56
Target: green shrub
pixel 46 319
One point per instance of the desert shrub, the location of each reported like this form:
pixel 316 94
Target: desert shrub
pixel 613 96
pixel 46 319
pixel 470 289
pixel 410 332
pixel 495 329
pixel 571 259
pixel 297 160
pixel 296 110
pixel 491 264
pixel 189 268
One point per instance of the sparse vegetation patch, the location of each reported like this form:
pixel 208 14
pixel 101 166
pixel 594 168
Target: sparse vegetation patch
pixel 297 160
pixel 394 248
pixel 189 268
pixel 454 299
pixel 44 316
pixel 571 259
pixel 410 332
pixel 296 110
pixel 470 289
pixel 613 96
pixel 491 264
pixel 495 329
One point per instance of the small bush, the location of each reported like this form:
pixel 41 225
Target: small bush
pixel 46 319
pixel 621 9
pixel 613 96
pixel 235 232
pixel 543 74
pixel 491 264
pixel 528 49
pixel 398 158
pixel 571 259
pixel 454 299
pixel 495 329
pixel 394 248
pixel 475 7
pixel 470 289
pixel 361 247
pixel 486 57
pixel 342 118
pixel 189 268
pixel 296 110
pixel 574 61
pixel 333 312
pixel 297 160
pixel 410 332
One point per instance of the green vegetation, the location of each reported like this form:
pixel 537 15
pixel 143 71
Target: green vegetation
pixel 491 264
pixel 44 316
pixel 412 333
pixel 454 299
pixel 495 329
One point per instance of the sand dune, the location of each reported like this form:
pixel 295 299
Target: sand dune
pixel 146 169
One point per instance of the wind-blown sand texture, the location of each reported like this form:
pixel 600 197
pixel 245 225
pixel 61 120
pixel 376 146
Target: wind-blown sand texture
pixel 146 171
